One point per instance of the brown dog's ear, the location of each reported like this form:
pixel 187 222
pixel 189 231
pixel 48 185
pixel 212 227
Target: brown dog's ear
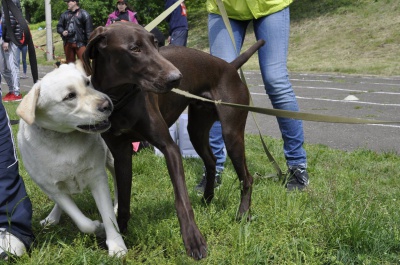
pixel 26 109
pixel 90 50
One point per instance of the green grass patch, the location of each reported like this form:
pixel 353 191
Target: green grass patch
pixel 349 215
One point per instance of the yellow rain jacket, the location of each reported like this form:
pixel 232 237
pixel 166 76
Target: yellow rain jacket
pixel 248 9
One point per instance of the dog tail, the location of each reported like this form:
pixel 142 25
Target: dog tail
pixel 244 57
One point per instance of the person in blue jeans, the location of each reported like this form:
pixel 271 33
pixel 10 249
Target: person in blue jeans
pixel 22 51
pixel 178 24
pixel 271 22
pixel 16 234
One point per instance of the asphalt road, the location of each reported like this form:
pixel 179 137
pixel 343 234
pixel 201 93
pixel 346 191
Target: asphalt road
pixel 378 98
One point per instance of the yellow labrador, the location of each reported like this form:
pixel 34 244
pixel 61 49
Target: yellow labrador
pixel 62 117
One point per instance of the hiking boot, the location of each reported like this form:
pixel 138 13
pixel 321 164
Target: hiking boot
pixel 202 184
pixel 12 97
pixel 297 178
pixel 10 245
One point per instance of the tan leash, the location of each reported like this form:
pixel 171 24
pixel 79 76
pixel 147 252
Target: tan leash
pixel 298 115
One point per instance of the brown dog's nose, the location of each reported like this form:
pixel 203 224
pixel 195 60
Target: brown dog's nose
pixel 106 105
pixel 174 79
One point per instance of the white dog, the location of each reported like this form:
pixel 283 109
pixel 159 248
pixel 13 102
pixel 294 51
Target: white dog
pixel 62 117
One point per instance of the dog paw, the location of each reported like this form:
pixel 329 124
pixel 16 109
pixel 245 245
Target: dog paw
pixel 195 244
pixel 116 248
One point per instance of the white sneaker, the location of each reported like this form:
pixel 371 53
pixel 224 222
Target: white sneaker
pixel 10 244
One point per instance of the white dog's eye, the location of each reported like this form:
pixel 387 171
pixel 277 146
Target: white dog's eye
pixel 70 96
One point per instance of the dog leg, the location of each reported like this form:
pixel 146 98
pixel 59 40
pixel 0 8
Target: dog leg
pixel 234 143
pixel 120 148
pixel 111 169
pixel 101 195
pixel 193 240
pixel 53 218
pixel 84 224
pixel 198 129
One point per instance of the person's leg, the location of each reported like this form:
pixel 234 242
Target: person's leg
pixel 221 46
pixel 179 37
pixel 13 60
pixel 15 205
pixel 273 64
pixel 79 52
pixel 24 51
pixel 5 68
pixel 69 53
pixel 18 55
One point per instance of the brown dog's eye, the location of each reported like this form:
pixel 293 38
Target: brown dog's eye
pixel 70 96
pixel 135 49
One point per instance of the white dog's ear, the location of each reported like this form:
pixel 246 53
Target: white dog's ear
pixel 79 66
pixel 27 107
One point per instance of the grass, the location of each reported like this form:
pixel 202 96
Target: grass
pixel 335 36
pixel 350 213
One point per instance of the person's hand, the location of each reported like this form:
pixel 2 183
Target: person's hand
pixel 65 33
pixel 169 40
pixel 5 46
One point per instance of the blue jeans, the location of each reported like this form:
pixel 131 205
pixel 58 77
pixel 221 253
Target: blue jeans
pixel 22 49
pixel 217 146
pixel 15 206
pixel 274 29
pixel 179 37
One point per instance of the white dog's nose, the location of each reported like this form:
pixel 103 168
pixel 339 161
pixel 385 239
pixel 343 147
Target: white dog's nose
pixel 106 105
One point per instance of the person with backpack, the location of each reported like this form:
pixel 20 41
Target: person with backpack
pixel 75 26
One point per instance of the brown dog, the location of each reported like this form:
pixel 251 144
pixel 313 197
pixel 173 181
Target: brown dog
pixel 123 56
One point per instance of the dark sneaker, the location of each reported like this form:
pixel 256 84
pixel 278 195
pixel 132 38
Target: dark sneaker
pixel 297 178
pixel 202 184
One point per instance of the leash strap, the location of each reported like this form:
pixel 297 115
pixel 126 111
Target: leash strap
pixel 149 27
pixel 8 5
pixel 289 114
pixel 229 28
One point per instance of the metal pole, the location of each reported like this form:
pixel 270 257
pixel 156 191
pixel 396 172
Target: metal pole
pixel 49 33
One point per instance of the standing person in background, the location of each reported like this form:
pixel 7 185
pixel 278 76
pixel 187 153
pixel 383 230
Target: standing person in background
pixel 178 24
pixel 122 12
pixel 16 234
pixel 271 22
pixel 10 52
pixel 75 26
pixel 22 51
